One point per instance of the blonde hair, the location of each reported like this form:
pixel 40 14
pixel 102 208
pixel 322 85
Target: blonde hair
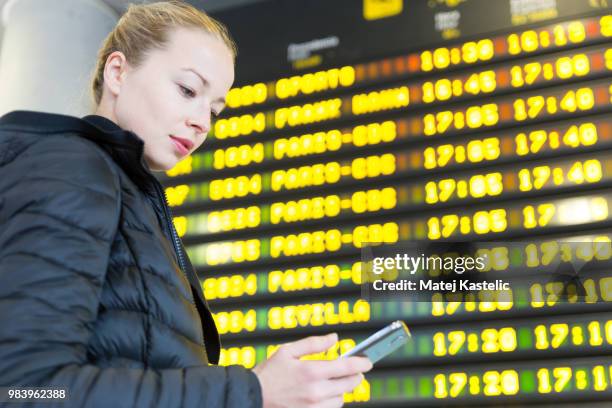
pixel 147 26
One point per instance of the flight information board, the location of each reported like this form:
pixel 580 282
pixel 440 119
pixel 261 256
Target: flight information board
pixel 356 122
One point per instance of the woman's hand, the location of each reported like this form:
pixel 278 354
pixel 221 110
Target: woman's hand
pixel 287 381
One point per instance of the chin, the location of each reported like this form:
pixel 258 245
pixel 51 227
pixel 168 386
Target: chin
pixel 164 164
pixel 163 168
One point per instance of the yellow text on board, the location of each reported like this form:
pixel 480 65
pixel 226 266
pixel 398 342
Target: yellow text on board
pixel 376 9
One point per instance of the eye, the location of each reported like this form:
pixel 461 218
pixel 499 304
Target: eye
pixel 188 93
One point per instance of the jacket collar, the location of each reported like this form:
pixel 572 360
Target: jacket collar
pixel 124 146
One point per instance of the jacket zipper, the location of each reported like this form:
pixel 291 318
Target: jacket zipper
pixel 175 239
pixel 177 247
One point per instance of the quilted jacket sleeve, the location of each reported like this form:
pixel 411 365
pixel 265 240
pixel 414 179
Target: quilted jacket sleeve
pixel 59 209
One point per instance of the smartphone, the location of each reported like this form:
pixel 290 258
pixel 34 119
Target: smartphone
pixel 382 343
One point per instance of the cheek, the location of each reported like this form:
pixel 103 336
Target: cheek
pixel 158 99
pixel 146 109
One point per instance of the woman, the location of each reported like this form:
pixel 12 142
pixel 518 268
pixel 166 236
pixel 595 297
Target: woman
pixel 97 295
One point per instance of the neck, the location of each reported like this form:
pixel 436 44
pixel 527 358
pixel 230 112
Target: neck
pixel 104 109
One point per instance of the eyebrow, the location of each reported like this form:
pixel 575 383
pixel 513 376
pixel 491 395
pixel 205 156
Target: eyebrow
pixel 205 82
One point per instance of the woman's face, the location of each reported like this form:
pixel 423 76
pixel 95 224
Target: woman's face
pixel 173 93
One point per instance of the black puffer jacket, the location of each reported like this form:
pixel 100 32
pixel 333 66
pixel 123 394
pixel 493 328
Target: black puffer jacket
pixel 97 295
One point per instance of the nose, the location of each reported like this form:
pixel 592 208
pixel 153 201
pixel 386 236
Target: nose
pixel 200 124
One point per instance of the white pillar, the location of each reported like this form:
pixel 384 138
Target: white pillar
pixel 48 53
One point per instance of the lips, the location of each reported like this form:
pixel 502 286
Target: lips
pixel 188 144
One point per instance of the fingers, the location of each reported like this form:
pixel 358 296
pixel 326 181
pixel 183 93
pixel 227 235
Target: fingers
pixel 335 402
pixel 321 383
pixel 333 389
pixel 338 386
pixel 341 367
pixel 310 345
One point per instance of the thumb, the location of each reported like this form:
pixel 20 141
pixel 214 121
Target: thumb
pixel 311 345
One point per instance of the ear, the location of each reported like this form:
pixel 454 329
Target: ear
pixel 115 70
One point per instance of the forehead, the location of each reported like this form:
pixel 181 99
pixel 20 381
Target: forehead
pixel 198 50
